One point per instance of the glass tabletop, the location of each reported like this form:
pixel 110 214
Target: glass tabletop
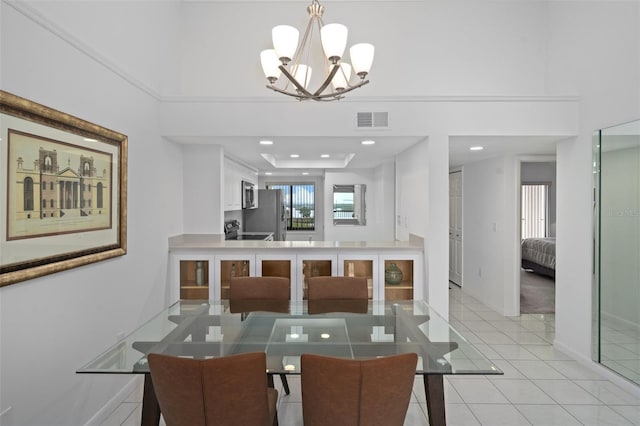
pixel 284 330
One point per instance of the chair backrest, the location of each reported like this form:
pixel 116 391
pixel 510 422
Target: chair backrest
pixel 229 391
pixel 259 288
pixel 324 306
pixel 345 288
pixel 347 392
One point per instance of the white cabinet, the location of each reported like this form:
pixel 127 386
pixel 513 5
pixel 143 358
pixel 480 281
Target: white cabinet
pixel 185 275
pixel 403 285
pixel 229 266
pixel 364 266
pixel 232 186
pixel 297 263
pixel 278 265
pixel 313 265
pixel 234 174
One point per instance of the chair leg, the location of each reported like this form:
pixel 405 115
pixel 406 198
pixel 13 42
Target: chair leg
pixel 285 383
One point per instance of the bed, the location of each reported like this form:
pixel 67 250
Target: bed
pixel 539 255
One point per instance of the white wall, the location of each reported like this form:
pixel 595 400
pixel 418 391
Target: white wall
pixel 582 59
pixel 412 179
pixel 385 182
pixel 473 60
pixel 379 205
pixel 484 224
pixel 52 325
pixel 203 195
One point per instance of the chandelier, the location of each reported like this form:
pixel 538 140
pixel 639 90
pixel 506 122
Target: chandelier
pixel 287 57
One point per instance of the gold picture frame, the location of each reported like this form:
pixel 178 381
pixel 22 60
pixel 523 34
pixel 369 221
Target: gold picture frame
pixel 63 191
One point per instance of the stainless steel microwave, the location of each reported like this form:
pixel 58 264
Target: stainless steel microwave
pixel 249 195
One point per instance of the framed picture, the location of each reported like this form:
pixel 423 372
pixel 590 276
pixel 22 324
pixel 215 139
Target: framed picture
pixel 63 191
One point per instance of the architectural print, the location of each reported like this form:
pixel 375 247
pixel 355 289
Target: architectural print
pixel 56 187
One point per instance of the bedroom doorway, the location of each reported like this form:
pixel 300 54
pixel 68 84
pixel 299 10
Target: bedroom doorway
pixel 537 237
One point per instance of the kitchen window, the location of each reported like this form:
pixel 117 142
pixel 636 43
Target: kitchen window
pixel 299 204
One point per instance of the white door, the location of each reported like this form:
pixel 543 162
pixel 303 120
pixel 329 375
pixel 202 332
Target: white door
pixel 455 227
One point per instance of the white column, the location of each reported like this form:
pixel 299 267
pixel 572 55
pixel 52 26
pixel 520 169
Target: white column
pixel 574 247
pixel 437 232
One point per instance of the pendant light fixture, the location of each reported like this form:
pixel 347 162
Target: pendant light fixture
pixel 291 60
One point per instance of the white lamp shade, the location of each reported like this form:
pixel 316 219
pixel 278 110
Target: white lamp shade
pixel 362 58
pixel 341 79
pixel 302 74
pixel 270 63
pixel 334 40
pixel 285 41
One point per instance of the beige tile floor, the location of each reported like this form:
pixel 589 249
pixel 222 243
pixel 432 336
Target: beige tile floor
pixel 540 386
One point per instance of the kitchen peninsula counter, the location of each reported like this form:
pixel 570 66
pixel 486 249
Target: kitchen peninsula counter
pixel 205 242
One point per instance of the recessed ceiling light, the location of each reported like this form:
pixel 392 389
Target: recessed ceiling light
pixel 325 156
pixel 268 173
pixel 294 156
pixel 266 142
pixel 305 173
pixel 368 142
pixel 90 140
pixel 476 148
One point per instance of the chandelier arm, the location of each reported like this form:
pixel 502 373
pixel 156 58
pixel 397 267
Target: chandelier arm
pixel 293 95
pixel 333 72
pixel 322 98
pixel 338 95
pixel 295 82
pixel 327 98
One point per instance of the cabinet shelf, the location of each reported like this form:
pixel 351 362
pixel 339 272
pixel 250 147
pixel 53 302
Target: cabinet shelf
pixel 314 268
pixel 404 289
pixel 361 268
pixel 190 274
pixel 229 269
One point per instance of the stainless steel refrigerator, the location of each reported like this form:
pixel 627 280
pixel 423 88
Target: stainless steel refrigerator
pixel 270 216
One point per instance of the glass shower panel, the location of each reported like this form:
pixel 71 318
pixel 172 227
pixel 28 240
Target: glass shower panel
pixel 617 249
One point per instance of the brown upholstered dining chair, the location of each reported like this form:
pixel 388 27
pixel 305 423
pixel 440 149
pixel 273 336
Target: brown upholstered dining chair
pixel 259 288
pixel 348 392
pixel 226 391
pixel 247 294
pixel 344 288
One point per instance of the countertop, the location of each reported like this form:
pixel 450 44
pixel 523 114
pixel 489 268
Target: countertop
pixel 217 241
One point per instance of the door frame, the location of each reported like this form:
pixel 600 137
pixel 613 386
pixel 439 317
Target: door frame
pixel 461 171
pixel 519 160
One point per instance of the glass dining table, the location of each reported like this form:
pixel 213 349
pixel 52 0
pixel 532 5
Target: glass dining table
pixel 284 330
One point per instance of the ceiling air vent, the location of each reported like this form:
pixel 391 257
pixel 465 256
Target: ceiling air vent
pixel 371 120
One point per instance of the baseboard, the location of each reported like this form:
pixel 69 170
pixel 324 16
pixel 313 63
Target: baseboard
pixel 103 414
pixel 620 321
pixel 607 374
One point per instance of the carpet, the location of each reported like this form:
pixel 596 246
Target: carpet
pixel 537 293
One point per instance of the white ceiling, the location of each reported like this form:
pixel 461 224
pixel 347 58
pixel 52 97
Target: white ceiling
pixel 248 150
pixel 493 146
